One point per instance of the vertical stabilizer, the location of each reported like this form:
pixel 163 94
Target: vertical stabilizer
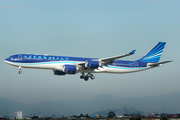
pixel 155 54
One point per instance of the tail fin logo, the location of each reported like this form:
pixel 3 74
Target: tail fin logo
pixel 155 54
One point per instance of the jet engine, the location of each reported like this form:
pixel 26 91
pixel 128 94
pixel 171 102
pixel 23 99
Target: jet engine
pixel 67 69
pixel 57 72
pixel 70 69
pixel 92 64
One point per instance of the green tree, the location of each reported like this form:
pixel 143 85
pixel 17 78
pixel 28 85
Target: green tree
pixel 111 114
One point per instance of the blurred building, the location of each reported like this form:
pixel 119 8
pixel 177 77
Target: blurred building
pixel 19 115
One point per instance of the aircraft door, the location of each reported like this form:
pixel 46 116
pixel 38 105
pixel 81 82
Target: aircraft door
pixel 135 64
pixel 19 57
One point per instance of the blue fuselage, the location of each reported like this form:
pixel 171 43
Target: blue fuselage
pixel 51 62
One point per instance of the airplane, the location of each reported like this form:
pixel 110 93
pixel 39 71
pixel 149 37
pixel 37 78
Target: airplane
pixel 62 65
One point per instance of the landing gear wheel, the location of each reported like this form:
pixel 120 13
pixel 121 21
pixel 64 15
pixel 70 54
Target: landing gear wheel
pixel 82 77
pixel 92 77
pixel 86 78
pixel 19 72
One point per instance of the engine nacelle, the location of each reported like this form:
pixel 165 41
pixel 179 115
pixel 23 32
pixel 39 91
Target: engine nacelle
pixel 92 64
pixel 57 72
pixel 70 69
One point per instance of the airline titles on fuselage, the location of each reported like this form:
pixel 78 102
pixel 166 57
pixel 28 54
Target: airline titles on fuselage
pixel 44 57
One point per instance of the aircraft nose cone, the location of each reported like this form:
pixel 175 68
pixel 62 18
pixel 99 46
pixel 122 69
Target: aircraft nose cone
pixel 7 59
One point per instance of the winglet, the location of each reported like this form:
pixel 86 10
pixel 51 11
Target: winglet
pixel 132 52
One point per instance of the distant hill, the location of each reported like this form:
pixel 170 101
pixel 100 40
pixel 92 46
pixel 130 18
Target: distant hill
pixel 124 110
pixel 101 104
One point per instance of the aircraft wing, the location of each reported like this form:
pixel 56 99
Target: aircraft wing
pixel 112 59
pixel 158 63
pixel 82 64
pixel 108 60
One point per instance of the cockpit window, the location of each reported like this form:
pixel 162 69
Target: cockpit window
pixel 11 58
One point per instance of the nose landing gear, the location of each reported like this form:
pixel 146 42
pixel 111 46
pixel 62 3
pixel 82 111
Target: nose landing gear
pixel 19 70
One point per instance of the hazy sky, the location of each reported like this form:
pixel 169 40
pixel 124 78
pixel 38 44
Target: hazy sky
pixel 88 28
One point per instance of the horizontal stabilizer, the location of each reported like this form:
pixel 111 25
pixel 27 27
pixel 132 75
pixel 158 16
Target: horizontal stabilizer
pixel 158 64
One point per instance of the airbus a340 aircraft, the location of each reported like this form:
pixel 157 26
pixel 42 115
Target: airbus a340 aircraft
pixel 62 65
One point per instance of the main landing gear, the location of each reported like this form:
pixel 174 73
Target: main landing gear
pixel 19 70
pixel 86 77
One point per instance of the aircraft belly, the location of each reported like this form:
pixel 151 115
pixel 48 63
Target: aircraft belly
pixel 121 70
pixel 36 65
pixel 44 66
pixel 100 70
